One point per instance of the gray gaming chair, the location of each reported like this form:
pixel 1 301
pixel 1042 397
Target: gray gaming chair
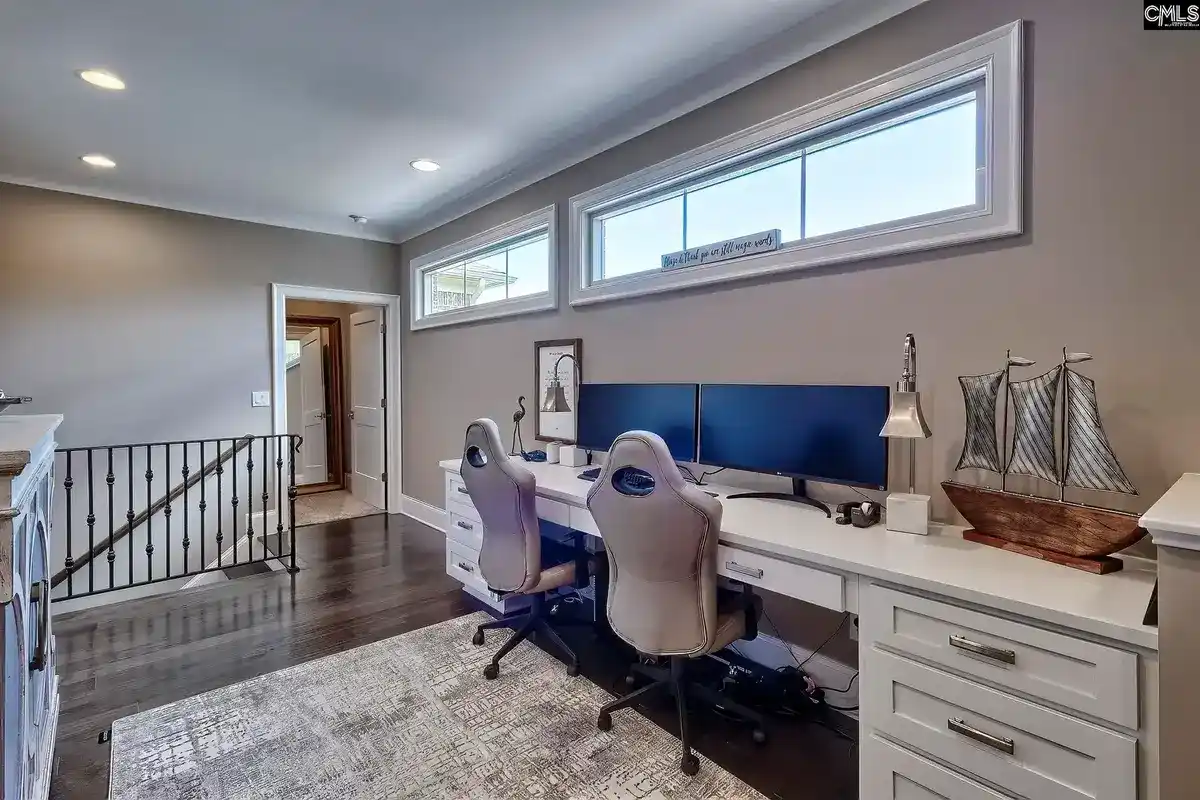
pixel 661 536
pixel 503 492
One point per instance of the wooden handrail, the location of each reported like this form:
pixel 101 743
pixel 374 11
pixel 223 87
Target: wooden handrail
pixel 120 533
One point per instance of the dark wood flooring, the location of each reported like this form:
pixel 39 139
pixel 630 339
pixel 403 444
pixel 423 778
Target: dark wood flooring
pixel 364 580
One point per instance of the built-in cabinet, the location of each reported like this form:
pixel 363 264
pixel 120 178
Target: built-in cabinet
pixel 30 707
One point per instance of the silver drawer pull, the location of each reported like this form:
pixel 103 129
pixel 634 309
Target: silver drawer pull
pixel 734 566
pixel 463 490
pixel 465 566
pixel 994 653
pixel 466 526
pixel 994 742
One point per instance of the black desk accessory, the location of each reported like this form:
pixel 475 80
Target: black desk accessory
pixel 589 474
pixel 860 515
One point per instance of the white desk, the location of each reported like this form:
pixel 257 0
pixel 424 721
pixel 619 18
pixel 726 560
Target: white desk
pixel 1079 705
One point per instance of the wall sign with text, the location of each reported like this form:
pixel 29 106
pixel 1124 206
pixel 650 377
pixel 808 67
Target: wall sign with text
pixel 764 242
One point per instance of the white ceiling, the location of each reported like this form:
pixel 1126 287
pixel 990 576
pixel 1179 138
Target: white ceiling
pixel 300 112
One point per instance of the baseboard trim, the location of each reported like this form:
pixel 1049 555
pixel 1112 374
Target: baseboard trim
pixel 421 511
pixel 775 653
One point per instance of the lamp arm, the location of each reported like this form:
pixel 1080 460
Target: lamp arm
pixel 578 366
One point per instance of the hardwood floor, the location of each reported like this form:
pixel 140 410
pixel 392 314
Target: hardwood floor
pixel 363 580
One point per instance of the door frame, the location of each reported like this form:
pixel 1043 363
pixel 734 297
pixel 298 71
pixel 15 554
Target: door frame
pixel 392 376
pixel 335 437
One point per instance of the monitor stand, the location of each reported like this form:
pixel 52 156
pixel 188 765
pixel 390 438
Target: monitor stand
pixel 799 494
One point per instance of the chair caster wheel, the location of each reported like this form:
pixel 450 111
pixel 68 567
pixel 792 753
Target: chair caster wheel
pixel 491 671
pixel 477 639
pixel 573 670
pixel 630 680
pixel 604 721
pixel 689 764
pixel 759 736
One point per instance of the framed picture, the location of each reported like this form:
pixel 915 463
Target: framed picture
pixel 557 426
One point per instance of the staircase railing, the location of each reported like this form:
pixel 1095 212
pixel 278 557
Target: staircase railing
pixel 217 498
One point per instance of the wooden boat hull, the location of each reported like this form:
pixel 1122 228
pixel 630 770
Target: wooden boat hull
pixel 1065 533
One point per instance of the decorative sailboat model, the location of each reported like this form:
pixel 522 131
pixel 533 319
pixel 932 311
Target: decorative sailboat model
pixel 1074 534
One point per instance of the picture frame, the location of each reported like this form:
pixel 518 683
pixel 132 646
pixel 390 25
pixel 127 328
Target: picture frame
pixel 557 426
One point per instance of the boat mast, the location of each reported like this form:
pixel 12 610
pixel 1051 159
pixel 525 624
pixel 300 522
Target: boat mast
pixel 1004 427
pixel 1066 416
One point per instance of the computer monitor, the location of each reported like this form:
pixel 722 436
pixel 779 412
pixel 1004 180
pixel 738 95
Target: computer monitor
pixel 822 433
pixel 606 410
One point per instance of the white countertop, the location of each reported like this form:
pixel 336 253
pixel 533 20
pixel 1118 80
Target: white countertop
pixel 20 436
pixel 1174 521
pixel 1111 606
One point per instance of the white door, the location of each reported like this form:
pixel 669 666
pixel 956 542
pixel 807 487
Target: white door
pixel 366 406
pixel 314 465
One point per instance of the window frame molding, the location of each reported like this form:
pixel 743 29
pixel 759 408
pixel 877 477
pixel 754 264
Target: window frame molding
pixel 543 219
pixel 996 57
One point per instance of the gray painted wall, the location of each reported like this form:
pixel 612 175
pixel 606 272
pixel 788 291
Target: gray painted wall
pixel 139 323
pixel 1107 263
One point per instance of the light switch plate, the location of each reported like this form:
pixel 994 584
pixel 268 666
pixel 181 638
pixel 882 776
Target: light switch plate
pixel 260 399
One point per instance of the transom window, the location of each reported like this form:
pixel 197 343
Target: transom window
pixel 507 270
pixel 923 157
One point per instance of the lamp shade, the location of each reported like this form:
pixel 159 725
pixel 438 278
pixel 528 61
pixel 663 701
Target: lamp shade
pixel 905 420
pixel 556 398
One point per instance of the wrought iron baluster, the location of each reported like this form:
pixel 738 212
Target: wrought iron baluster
pixel 149 516
pixel 279 440
pixel 110 479
pixel 167 510
pixel 129 513
pixel 203 504
pixel 220 505
pixel 295 445
pixel 250 500
pixel 69 564
pixel 234 501
pixel 265 474
pixel 91 524
pixel 187 542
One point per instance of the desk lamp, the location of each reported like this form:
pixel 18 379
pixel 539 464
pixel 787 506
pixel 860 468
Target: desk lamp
pixel 907 513
pixel 556 398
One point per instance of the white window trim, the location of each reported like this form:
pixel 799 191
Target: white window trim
pixel 997 55
pixel 534 222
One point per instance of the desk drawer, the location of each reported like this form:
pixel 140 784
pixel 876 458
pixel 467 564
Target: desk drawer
pixel 1091 678
pixel 582 520
pixel 462 564
pixel 456 490
pixel 889 772
pixel 465 531
pixel 554 511
pixel 464 510
pixel 1024 748
pixel 826 589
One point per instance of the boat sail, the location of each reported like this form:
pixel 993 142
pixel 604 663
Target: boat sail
pixel 1033 451
pixel 1074 534
pixel 979 445
pixel 1091 463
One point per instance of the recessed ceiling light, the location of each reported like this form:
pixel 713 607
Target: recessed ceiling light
pixel 97 160
pixel 425 165
pixel 102 78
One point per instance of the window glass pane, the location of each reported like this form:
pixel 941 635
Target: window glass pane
pixel 758 201
pixel 445 288
pixel 486 279
pixel 528 268
pixel 636 240
pixel 916 167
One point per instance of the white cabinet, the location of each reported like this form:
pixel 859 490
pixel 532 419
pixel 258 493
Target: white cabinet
pixel 30 693
pixel 957 701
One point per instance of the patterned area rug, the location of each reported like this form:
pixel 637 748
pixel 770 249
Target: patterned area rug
pixel 407 717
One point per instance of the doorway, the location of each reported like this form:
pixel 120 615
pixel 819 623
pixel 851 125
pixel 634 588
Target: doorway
pixel 334 359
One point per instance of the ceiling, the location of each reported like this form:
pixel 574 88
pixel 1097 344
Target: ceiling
pixel 301 112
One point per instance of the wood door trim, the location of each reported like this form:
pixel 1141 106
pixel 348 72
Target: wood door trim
pixel 336 431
